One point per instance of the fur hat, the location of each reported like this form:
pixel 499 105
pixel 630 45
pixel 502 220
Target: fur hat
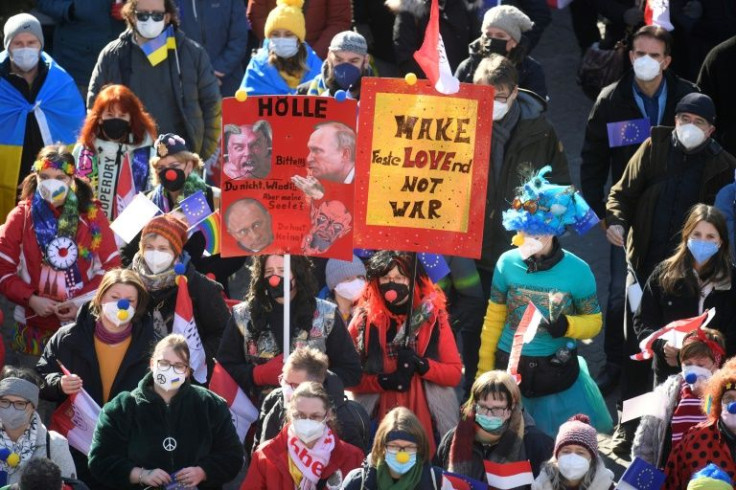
pixel 577 430
pixel 169 227
pixel 509 19
pixel 337 271
pixel 287 15
pixel 22 23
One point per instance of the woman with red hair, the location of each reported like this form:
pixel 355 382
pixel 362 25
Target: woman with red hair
pixel 414 363
pixel 114 148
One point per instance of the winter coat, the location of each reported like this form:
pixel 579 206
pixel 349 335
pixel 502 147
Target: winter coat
pixel 134 427
pixel 459 26
pixel 715 80
pixel 366 478
pixel 603 478
pixel 222 29
pixel 324 19
pixel 616 103
pixel 532 145
pixel 703 444
pixel 262 78
pixel 531 75
pixel 269 467
pixel 634 197
pixel 81 33
pixel 21 258
pixel 244 345
pixel 653 439
pixel 199 106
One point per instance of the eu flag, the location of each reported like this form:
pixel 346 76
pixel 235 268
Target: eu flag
pixel 640 475
pixel 625 133
pixel 435 265
pixel 195 208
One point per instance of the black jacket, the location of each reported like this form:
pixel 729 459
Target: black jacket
pixel 716 79
pixel 616 103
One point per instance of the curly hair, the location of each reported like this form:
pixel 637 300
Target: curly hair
pixel 723 380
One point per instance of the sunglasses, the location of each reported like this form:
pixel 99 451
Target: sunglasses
pixel 144 16
pixel 528 206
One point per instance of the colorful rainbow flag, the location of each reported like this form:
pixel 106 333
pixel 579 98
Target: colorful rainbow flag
pixel 210 228
pixel 157 49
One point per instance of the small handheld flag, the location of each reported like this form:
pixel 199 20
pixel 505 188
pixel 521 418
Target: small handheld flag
pixel 185 325
pixel 241 408
pixel 210 228
pixel 524 334
pixel 624 133
pixel 673 331
pixel 432 57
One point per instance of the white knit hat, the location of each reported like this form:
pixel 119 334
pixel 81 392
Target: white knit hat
pixel 509 19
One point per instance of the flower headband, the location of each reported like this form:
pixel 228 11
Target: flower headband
pixel 66 167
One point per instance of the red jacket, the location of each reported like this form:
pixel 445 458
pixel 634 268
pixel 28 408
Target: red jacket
pixel 702 444
pixel 21 258
pixel 269 468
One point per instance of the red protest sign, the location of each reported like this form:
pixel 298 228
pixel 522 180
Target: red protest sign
pixel 288 171
pixel 422 167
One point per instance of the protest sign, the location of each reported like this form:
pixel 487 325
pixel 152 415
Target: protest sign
pixel 422 167
pixel 288 176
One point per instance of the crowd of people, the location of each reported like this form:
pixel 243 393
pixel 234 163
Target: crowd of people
pixel 391 380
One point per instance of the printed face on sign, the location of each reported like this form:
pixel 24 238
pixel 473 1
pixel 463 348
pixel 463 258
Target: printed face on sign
pixel 332 152
pixel 248 151
pixel 330 221
pixel 249 223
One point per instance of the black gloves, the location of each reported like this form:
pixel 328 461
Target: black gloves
pixel 558 327
pixel 407 364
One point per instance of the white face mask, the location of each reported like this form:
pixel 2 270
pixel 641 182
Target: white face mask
pixel 694 375
pixel 646 68
pixel 573 466
pixel 25 58
pixel 308 430
pixel 167 380
pixel 499 110
pixel 53 191
pixel 690 135
pixel 150 28
pixel 157 260
pixel 286 391
pixel 284 47
pixel 351 290
pixel 530 247
pixel 112 313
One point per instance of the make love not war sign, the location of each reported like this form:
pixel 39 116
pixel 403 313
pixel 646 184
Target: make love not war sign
pixel 422 167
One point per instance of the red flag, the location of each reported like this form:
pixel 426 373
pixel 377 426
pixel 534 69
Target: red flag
pixel 509 475
pixel 432 57
pixel 76 418
pixel 672 331
pixel 524 334
pixel 242 410
pixel 125 191
pixel 185 325
pixel 657 13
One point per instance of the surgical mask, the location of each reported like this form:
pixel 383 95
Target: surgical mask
pixel 150 28
pixel 167 380
pixel 400 468
pixel 117 315
pixel 646 68
pixel 284 47
pixel 308 430
pixel 13 419
pixel 695 374
pixel 25 58
pixel 393 292
pixel 489 423
pixel 158 260
pixel 350 290
pixel 346 75
pixel 702 250
pixel 172 179
pixel 690 135
pixel 53 191
pixel 499 110
pixel 494 45
pixel 573 466
pixel 115 128
pixel 530 247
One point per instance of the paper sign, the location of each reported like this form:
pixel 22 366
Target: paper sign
pixel 634 294
pixel 647 404
pixel 134 217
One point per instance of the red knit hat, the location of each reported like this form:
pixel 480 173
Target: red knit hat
pixel 577 430
pixel 169 227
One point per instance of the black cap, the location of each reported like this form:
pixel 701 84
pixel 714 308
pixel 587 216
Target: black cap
pixel 698 104
pixel 170 144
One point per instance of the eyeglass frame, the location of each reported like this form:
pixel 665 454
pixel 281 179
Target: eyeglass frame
pixel 144 15
pixel 168 365
pixel 14 403
pixel 313 418
pixel 394 449
pixel 492 411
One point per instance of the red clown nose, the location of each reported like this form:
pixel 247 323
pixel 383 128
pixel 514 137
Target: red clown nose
pixel 170 174
pixel 274 280
pixel 390 295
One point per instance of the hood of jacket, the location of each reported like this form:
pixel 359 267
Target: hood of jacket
pixel 532 105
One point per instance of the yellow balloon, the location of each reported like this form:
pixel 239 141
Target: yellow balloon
pixel 402 457
pixel 517 240
pixel 410 78
pixel 123 315
pixel 241 95
pixel 13 460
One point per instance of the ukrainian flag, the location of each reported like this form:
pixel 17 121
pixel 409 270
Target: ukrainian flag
pixel 157 49
pixel 59 111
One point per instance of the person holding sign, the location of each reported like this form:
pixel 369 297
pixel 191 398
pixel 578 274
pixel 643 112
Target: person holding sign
pixel 555 383
pixel 55 246
pixel 412 363
pixel 307 453
pixel 251 347
pixel 285 61
pixel 696 277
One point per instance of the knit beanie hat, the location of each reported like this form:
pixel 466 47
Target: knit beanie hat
pixel 698 104
pixel 287 15
pixel 22 23
pixel 337 271
pixel 169 227
pixel 710 478
pixel 349 41
pixel 169 144
pixel 577 430
pixel 509 19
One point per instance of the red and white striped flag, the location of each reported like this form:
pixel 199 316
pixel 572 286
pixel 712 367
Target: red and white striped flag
pixel 657 13
pixel 242 410
pixel 509 475
pixel 76 418
pixel 524 334
pixel 432 57
pixel 125 191
pixel 673 332
pixel 185 325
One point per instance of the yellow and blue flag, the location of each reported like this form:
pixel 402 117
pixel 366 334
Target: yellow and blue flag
pixel 157 49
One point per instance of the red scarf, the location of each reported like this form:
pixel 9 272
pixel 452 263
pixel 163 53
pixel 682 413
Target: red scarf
pixel 687 413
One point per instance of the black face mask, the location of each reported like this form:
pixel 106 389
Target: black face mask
pixel 115 128
pixel 275 286
pixel 172 179
pixel 401 291
pixel 493 45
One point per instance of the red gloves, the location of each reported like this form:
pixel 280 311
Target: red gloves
pixel 115 10
pixel 267 374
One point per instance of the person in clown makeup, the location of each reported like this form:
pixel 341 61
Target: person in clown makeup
pixel 555 383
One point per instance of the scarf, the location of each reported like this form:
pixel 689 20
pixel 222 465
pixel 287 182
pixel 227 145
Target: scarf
pixel 24 447
pixel 45 223
pixel 153 282
pixel 321 452
pixel 408 480
pixel 501 135
pixel 110 338
pixel 193 184
pixel 687 413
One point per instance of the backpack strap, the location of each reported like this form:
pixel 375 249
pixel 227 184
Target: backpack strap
pixel 48 444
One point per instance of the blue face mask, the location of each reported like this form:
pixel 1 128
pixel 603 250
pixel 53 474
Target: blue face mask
pixel 702 250
pixel 400 468
pixel 346 75
pixel 489 423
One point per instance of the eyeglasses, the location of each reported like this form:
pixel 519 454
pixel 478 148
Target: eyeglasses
pixel 501 98
pixel 495 411
pixel 697 121
pixel 144 16
pixel 530 206
pixel 179 367
pixel 395 448
pixel 18 404
pixel 314 417
pixel 282 381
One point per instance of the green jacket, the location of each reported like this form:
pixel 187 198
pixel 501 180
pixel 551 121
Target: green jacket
pixel 633 199
pixel 134 428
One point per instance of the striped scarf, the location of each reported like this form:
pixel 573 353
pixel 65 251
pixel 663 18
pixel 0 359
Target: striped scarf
pixel 687 413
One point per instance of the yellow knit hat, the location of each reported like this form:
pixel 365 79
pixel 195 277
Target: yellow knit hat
pixel 287 15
